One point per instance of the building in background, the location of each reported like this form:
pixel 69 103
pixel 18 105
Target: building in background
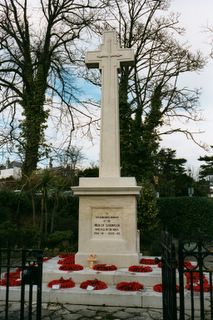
pixel 11 170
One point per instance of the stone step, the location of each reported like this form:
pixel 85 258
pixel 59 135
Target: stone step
pixel 147 298
pixel 108 297
pixel 51 271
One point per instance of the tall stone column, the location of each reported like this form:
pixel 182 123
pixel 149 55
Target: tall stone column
pixel 107 207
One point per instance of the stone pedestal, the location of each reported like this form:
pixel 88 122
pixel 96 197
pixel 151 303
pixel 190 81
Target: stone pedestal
pixel 107 210
pixel 108 221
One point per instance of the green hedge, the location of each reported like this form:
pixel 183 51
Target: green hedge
pixel 16 220
pixel 189 218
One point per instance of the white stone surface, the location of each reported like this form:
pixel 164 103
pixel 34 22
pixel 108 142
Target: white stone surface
pixel 113 242
pixel 51 271
pixel 109 297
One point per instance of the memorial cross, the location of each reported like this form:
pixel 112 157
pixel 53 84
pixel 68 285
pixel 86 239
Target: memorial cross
pixel 108 60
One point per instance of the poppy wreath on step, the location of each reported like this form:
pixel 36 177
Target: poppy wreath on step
pixel 63 283
pixel 67 260
pixel 14 278
pixel 14 274
pixel 12 282
pixel 159 287
pixel 71 267
pixel 196 287
pixel 194 277
pixel 149 261
pixel 129 286
pixel 96 284
pixel 188 265
pixel 104 267
pixel 65 255
pixel 45 259
pixel 140 269
pixel 193 282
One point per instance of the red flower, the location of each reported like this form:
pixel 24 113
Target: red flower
pixel 159 287
pixel 193 281
pixel 13 274
pixel 65 255
pixel 188 265
pixel 64 283
pixel 197 287
pixel 129 286
pixel 12 282
pixel 194 276
pixel 96 284
pixel 148 261
pixel 71 267
pixel 67 260
pixel 104 267
pixel 14 278
pixel 140 269
pixel 46 259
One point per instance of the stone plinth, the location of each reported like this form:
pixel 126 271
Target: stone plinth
pixel 108 221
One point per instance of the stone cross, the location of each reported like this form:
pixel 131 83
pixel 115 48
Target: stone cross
pixel 108 59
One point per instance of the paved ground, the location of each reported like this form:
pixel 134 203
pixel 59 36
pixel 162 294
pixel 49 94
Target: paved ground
pixel 80 312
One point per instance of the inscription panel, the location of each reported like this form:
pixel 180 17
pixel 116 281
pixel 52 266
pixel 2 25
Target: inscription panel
pixel 106 223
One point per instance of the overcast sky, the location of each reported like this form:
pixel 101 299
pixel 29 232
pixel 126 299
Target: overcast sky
pixel 196 15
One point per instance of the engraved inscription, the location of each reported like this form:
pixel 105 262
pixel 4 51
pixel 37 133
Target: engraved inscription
pixel 106 223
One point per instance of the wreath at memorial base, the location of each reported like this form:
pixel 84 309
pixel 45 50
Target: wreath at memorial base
pixel 148 261
pixel 104 267
pixel 65 255
pixel 140 269
pixel 71 267
pixel 194 277
pixel 193 280
pixel 129 286
pixel 12 282
pixel 45 259
pixel 13 278
pixel 188 265
pixel 96 284
pixel 63 283
pixel 159 287
pixel 67 260
pixel 196 287
pixel 13 274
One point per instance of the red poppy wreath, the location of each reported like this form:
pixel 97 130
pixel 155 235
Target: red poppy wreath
pixel 148 261
pixel 140 269
pixel 129 286
pixel 104 267
pixel 63 283
pixel 96 284
pixel 71 267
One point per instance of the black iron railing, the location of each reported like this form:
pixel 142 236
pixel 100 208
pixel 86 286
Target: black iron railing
pixel 187 269
pixel 27 264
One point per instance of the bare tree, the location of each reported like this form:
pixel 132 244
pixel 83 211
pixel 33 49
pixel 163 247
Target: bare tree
pixel 150 92
pixel 35 64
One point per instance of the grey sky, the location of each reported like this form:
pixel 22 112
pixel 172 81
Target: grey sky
pixel 196 15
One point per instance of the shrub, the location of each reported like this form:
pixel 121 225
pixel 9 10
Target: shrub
pixel 187 217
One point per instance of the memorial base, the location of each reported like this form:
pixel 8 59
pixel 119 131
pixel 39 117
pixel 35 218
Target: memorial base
pixel 108 221
pixel 120 260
